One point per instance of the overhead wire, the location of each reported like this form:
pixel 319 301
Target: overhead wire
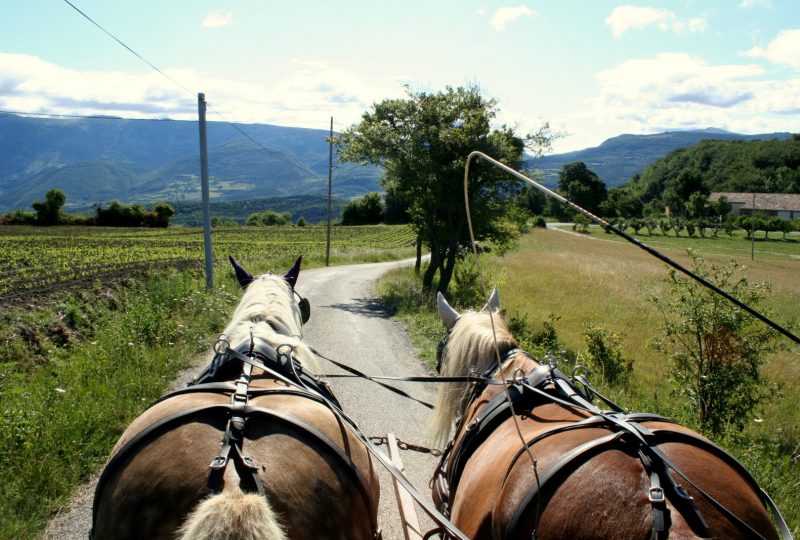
pixel 157 69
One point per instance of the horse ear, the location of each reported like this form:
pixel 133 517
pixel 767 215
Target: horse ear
pixel 291 275
pixel 244 277
pixel 447 314
pixel 493 304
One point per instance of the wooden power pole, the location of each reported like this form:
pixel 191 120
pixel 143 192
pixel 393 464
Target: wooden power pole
pixel 201 111
pixel 330 184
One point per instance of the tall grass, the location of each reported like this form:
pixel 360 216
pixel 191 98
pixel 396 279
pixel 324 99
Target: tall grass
pixel 76 368
pixel 73 375
pixel 577 279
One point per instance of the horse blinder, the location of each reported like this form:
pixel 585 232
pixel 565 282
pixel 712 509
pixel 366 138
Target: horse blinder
pixel 304 306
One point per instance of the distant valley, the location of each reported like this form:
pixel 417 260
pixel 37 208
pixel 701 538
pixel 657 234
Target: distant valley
pixel 97 160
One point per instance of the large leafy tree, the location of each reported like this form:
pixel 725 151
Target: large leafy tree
pixel 423 142
pixel 582 186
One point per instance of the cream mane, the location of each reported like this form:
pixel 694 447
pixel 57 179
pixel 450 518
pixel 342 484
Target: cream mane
pixel 269 298
pixel 470 348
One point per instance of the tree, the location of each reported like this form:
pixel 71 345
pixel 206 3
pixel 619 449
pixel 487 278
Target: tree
pixel 268 218
pixel 679 190
pixel 49 211
pixel 582 186
pixel 423 142
pixel 366 210
pixel 715 347
pixel 160 215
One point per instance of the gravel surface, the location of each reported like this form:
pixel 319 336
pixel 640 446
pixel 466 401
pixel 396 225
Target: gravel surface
pixel 349 326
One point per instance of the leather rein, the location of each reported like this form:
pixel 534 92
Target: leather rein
pixel 546 384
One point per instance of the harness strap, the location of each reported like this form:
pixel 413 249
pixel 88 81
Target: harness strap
pixel 584 451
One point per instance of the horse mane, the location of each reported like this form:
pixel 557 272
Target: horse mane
pixel 470 348
pixel 269 299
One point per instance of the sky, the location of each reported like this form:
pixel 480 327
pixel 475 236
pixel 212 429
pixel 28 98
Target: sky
pixel 593 69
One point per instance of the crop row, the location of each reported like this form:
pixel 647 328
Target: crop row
pixel 34 258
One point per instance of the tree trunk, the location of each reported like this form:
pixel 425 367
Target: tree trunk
pixel 427 278
pixel 418 263
pixel 448 265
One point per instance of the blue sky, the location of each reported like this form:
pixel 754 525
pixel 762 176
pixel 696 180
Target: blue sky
pixel 592 68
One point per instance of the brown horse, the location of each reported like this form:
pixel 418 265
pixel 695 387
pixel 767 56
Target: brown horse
pixel 252 450
pixel 535 458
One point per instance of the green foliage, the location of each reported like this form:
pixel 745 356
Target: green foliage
pixel 580 223
pixel 768 166
pixel 50 211
pixel 219 221
pixel 604 355
pixel 365 210
pixel 423 142
pixel 62 410
pixel 134 215
pixel 581 186
pixel 716 348
pixel 268 218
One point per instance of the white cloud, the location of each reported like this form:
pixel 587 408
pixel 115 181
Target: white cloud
pixel 300 98
pixel 674 91
pixel 506 15
pixel 784 49
pixel 625 18
pixel 748 4
pixel 216 19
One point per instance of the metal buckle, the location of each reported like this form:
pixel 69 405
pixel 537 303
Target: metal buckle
pixel 656 495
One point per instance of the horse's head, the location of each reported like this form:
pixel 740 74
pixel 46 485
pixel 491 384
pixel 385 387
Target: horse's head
pixel 474 342
pixel 270 298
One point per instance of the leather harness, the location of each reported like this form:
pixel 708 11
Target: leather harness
pixel 214 379
pixel 546 384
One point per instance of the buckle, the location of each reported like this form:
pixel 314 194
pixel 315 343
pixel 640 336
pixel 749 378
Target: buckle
pixel 656 495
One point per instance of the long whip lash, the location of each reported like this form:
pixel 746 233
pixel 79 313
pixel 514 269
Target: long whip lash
pixel 738 303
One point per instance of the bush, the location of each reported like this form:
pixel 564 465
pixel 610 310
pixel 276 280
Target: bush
pixel 603 355
pixel 716 348
pixel 366 210
pixel 269 218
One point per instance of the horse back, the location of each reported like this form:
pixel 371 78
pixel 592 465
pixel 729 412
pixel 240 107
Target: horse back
pixel 316 475
pixel 605 494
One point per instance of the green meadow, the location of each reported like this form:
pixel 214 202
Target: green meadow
pixel 573 279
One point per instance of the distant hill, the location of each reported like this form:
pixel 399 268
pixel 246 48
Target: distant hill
pixel 96 160
pixel 617 159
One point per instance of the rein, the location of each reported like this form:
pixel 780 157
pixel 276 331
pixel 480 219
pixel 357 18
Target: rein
pixel 626 429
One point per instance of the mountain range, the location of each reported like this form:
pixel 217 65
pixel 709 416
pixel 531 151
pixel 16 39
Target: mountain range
pixel 617 159
pixel 97 160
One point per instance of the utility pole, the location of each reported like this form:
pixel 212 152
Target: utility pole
pixel 753 230
pixel 201 111
pixel 330 185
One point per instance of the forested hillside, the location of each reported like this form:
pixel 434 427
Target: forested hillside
pixel 770 166
pixel 618 159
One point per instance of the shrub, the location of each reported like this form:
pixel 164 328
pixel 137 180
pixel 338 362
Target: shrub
pixel 269 218
pixel 603 355
pixel 716 348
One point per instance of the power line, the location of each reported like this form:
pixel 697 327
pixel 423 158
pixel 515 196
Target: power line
pixel 153 66
pixel 89 116
pixel 139 56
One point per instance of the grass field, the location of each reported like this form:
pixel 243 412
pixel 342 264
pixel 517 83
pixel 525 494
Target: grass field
pixel 78 364
pixel 581 278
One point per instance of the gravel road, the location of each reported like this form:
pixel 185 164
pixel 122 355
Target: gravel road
pixel 349 326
